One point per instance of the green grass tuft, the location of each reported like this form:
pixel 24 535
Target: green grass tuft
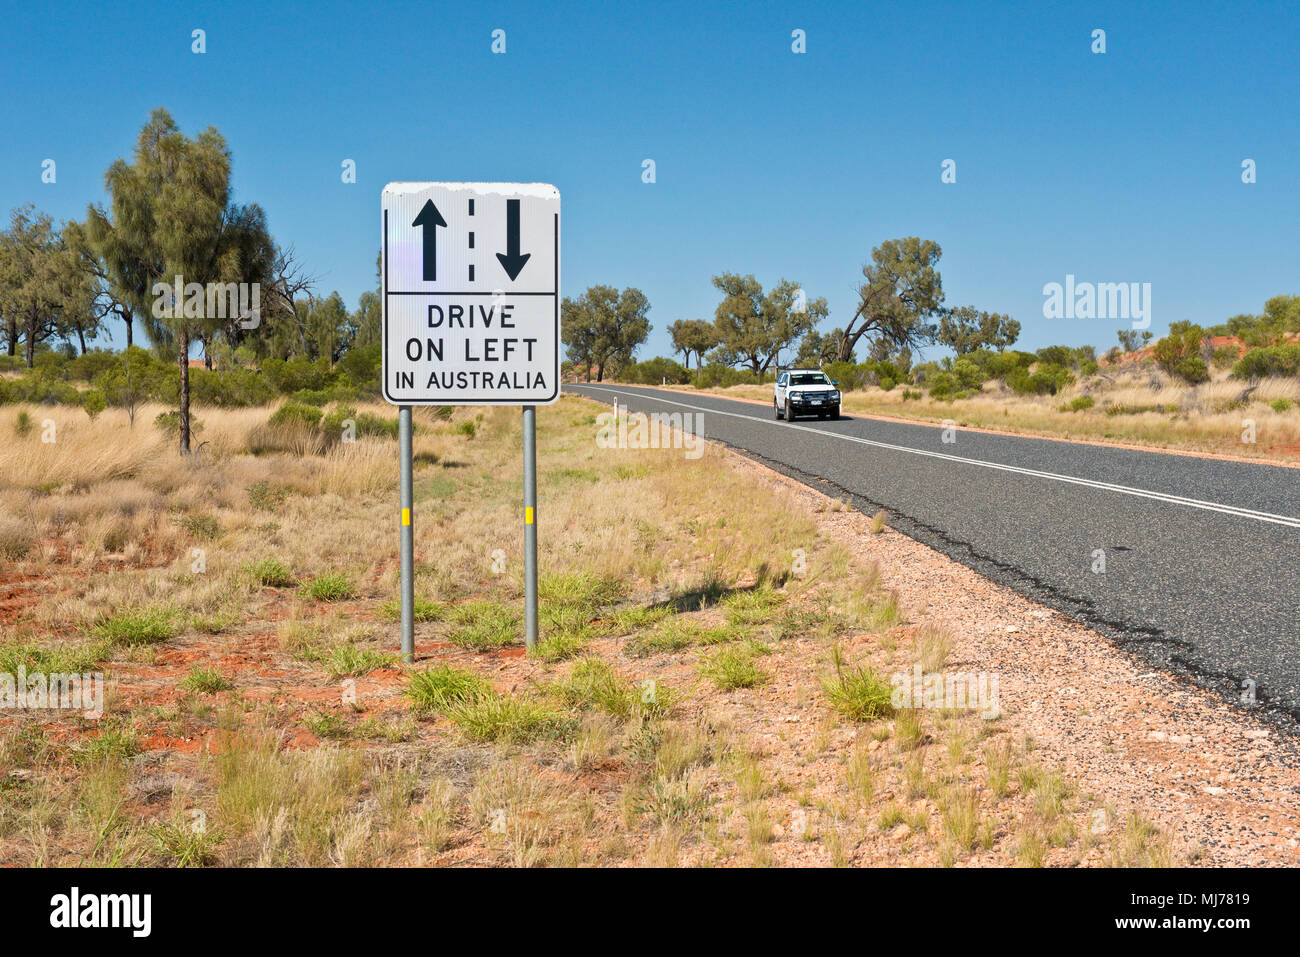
pixel 425 609
pixel 206 681
pixel 484 624
pixel 269 572
pixel 144 626
pixel 332 586
pixel 857 693
pixel 443 687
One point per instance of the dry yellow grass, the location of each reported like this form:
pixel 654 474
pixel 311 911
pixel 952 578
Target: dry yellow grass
pixel 109 520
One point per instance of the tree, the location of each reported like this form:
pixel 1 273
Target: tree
pixel 604 327
pixel 754 328
pixel 966 329
pixel 105 303
pixel 172 216
pixel 819 350
pixel 283 333
pixel 901 293
pixel 329 328
pixel 44 292
pixel 1128 339
pixel 693 336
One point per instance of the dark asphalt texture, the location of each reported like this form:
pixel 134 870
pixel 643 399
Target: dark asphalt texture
pixel 1198 592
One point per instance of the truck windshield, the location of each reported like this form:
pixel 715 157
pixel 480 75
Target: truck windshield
pixel 810 378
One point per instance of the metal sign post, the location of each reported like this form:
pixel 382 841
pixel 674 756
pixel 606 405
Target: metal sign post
pixel 471 316
pixel 408 536
pixel 530 527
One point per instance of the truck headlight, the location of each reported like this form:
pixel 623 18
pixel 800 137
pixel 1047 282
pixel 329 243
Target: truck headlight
pixel 835 395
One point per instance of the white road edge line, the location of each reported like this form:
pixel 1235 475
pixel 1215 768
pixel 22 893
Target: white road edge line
pixel 1071 479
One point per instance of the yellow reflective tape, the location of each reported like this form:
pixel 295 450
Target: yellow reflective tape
pixel 528 515
pixel 406 516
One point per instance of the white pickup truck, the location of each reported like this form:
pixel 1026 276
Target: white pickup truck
pixel 805 392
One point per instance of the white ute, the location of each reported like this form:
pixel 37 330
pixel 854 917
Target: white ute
pixel 805 392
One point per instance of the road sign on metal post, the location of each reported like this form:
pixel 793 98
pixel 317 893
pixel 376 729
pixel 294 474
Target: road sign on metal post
pixel 471 316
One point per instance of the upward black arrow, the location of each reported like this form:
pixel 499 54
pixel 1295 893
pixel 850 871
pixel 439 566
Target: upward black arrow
pixel 430 219
pixel 512 260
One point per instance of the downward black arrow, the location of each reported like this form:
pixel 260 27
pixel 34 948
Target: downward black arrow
pixel 430 219
pixel 512 260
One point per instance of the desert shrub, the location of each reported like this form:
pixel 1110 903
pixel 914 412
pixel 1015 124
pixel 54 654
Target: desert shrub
pixel 968 374
pixel 943 384
pixel 715 376
pixel 266 497
pixel 296 414
pixel 230 388
pixel 1002 364
pixel 1175 351
pixel 360 367
pixel 1056 355
pixel 41 387
pixel 1224 356
pixel 364 423
pixel 1269 361
pixel 170 423
pixel 88 366
pixel 316 397
pixel 1079 403
pixel 845 373
pixel 1191 369
pixel 1046 379
pixel 51 363
pixel 92 400
pixel 654 371
pixel 287 376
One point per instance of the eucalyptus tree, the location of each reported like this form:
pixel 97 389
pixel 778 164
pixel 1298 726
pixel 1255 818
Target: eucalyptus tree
pixel 900 295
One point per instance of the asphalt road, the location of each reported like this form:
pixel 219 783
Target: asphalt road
pixel 1202 570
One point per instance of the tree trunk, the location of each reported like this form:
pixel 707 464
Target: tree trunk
pixel 185 393
pixel 81 334
pixel 127 320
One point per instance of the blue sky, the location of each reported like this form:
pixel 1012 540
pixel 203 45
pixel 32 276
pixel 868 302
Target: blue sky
pixel 1115 167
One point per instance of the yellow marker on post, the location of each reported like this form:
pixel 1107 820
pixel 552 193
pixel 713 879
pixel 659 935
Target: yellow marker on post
pixel 406 516
pixel 528 516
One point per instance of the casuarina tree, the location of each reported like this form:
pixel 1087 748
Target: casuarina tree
pixel 171 215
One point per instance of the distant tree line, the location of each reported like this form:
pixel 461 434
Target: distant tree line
pixel 170 213
pixel 900 309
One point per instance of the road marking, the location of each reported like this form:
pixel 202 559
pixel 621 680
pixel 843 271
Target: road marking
pixel 1054 476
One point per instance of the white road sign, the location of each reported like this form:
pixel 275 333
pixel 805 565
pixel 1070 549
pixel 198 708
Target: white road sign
pixel 471 293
